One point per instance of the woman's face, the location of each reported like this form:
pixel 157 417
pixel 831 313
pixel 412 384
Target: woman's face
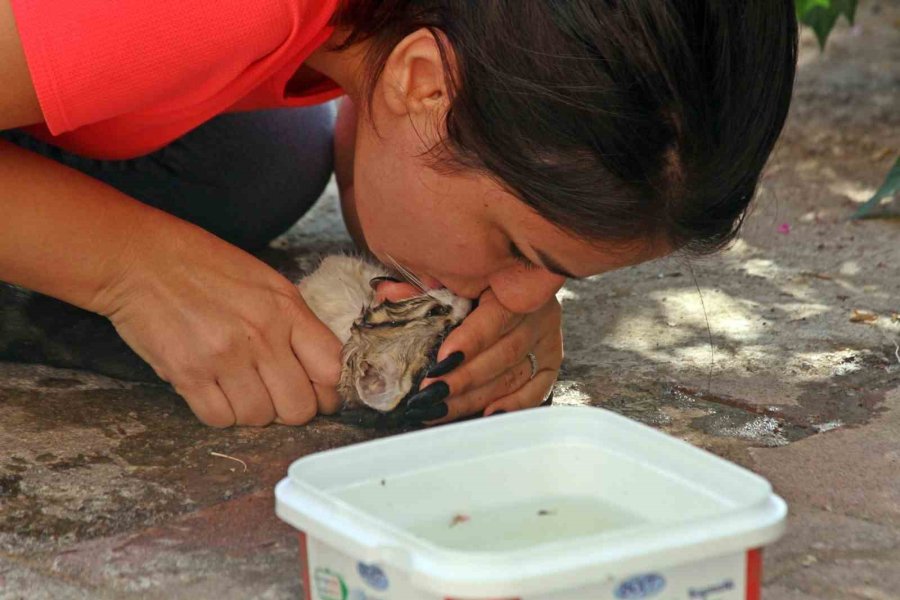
pixel 459 230
pixel 462 231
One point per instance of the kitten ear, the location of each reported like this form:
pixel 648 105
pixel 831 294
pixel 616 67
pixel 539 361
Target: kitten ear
pixel 378 386
pixel 371 382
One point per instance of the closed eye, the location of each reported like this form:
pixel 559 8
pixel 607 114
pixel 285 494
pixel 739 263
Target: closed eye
pixel 520 257
pixel 439 311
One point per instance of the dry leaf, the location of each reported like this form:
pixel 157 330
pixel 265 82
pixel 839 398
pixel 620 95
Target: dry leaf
pixel 863 316
pixel 882 153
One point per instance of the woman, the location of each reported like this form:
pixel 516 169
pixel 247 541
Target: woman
pixel 492 147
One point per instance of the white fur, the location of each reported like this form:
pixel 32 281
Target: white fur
pixel 338 291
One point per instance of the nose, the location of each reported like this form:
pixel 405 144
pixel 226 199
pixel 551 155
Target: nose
pixel 394 291
pixel 524 291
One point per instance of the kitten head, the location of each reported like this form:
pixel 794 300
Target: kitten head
pixel 393 344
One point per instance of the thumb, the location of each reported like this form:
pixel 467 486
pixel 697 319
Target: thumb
pixel 319 351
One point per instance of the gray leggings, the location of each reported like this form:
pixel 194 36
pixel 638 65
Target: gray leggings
pixel 246 177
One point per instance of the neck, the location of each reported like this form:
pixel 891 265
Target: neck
pixel 344 67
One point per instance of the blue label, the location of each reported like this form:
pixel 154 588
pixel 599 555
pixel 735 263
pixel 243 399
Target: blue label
pixel 373 575
pixel 641 586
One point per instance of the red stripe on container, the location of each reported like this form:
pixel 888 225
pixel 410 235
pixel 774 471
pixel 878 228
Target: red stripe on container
pixel 304 567
pixel 754 574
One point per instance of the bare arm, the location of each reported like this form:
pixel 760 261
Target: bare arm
pixel 232 335
pixel 67 235
pixel 62 233
pixel 18 101
pixel 50 237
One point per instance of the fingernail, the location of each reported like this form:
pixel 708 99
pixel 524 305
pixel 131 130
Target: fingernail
pixel 435 392
pixel 548 401
pixel 373 283
pixel 447 365
pixel 498 412
pixel 429 413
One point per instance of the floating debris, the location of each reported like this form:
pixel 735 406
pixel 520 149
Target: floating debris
pixel 459 518
pixel 544 512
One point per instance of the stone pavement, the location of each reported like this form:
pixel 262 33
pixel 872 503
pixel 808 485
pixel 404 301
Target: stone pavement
pixel 110 489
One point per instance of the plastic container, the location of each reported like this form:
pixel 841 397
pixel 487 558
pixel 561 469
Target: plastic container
pixel 556 503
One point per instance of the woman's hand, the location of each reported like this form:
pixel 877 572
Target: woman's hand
pixel 231 335
pixel 496 371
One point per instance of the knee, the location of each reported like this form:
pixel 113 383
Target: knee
pixel 307 160
pixel 295 173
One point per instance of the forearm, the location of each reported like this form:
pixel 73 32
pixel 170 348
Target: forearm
pixel 67 235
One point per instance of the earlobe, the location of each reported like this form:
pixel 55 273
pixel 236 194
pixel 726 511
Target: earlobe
pixel 414 78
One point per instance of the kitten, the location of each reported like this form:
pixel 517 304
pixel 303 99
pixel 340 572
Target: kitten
pixel 388 348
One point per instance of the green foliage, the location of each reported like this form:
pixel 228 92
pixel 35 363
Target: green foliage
pixel 821 15
pixel 873 208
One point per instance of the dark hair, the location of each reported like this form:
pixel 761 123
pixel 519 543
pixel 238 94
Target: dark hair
pixel 613 119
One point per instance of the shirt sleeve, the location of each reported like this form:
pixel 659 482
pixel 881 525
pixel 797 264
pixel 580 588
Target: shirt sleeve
pixel 92 60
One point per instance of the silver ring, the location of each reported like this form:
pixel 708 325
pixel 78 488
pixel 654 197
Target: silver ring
pixel 534 365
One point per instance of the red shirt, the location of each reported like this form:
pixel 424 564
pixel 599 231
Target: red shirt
pixel 121 78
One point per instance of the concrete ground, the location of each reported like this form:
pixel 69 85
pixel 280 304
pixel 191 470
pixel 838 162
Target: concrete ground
pixel 111 489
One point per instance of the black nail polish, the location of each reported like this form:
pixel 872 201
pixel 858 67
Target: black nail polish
pixel 429 413
pixel 498 412
pixel 548 401
pixel 447 365
pixel 434 393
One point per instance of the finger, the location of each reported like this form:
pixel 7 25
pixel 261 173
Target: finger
pixel 208 402
pixel 538 332
pixel 481 369
pixel 475 401
pixel 530 395
pixel 319 351
pixel 248 396
pixel 327 399
pixel 481 329
pixel 291 391
pixel 548 352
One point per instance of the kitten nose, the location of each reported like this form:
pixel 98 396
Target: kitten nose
pixel 394 291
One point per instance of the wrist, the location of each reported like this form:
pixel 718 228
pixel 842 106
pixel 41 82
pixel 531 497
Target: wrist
pixel 154 244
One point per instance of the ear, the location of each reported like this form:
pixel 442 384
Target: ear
pixel 378 386
pixel 414 79
pixel 372 382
